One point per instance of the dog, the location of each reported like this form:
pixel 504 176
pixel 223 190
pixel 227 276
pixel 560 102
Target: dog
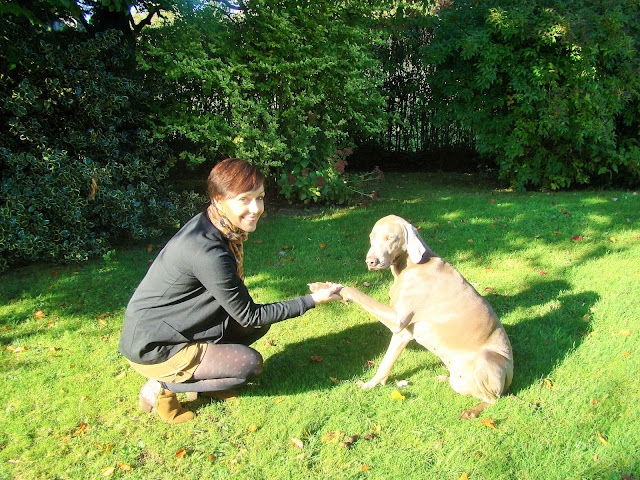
pixel 432 303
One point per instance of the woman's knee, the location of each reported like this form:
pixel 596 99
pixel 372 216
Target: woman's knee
pixel 256 365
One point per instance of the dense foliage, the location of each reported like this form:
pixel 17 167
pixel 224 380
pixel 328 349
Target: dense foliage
pixel 550 89
pixel 283 86
pixel 77 168
pixel 97 110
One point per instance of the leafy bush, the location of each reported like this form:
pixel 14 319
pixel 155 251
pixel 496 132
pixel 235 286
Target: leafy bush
pixel 281 85
pixel 77 169
pixel 550 88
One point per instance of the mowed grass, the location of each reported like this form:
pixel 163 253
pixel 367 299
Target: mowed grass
pixel 562 270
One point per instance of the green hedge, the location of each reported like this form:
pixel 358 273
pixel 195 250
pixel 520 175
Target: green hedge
pixel 550 89
pixel 78 171
pixel 280 85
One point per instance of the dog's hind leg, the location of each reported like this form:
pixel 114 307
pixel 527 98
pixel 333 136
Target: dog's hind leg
pixel 492 374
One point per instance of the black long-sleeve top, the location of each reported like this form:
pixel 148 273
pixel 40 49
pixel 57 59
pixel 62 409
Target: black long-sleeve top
pixel 190 293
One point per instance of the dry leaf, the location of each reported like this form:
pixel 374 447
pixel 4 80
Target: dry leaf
pixel 613 239
pixel 107 449
pixel 82 428
pixel 489 422
pixel 316 358
pixel 331 437
pixel 548 383
pixel 94 188
pixel 625 333
pixel 349 441
pixel 39 314
pixel 322 245
pixel 626 354
pixel 464 476
pixel 181 453
pixel 365 468
pixel 370 363
pixel 107 471
pixel 124 467
pixel 334 380
pixel 396 395
pixel 602 439
pixel 20 349
pixel 296 442
pixel 577 238
pixel 150 248
pixel 252 428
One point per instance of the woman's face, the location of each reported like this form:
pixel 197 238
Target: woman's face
pixel 243 209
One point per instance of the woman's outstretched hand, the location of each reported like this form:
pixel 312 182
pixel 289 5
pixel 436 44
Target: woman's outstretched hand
pixel 322 292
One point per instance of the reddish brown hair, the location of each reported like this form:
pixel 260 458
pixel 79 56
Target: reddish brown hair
pixel 231 177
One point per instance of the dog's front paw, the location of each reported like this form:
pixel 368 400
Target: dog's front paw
pixel 371 383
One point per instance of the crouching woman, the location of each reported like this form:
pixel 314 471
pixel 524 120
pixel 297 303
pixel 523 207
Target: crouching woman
pixel 189 324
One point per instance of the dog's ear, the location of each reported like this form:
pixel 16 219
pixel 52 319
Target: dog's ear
pixel 415 245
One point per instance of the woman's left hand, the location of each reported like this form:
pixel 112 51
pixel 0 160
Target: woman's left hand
pixel 325 291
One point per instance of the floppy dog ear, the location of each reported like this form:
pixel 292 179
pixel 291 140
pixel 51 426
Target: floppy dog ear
pixel 413 242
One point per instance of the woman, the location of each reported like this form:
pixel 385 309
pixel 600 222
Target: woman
pixel 188 325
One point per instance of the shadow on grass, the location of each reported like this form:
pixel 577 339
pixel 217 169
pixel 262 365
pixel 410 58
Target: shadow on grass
pixel 345 353
pixel 539 345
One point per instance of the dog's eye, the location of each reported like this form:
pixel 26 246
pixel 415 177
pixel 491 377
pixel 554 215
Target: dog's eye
pixel 391 238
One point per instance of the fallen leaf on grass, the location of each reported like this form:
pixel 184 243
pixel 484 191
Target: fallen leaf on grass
pixel 370 363
pixel 613 239
pixel 296 442
pixel 316 358
pixel 489 423
pixel 107 471
pixel 124 467
pixel 322 245
pixel 334 380
pixel 39 314
pixel 625 333
pixel 577 238
pixel 181 453
pixel 626 354
pixel 252 428
pixel 396 395
pixel 82 428
pixel 602 439
pixel 365 468
pixel 548 383
pixel 332 437
pixel 349 441
pixel 464 476
pixel 18 349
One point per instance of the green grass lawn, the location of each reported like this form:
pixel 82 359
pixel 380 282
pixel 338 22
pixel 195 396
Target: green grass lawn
pixel 562 270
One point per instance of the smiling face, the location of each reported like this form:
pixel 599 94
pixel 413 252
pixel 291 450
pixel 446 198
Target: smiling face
pixel 244 209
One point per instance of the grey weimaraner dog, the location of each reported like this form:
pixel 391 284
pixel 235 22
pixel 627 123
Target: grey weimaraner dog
pixel 433 304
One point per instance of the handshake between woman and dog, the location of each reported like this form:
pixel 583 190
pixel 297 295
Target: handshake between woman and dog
pixel 432 303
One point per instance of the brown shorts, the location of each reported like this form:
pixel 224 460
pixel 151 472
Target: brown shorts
pixel 176 369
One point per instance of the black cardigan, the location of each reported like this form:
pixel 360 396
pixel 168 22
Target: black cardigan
pixel 189 294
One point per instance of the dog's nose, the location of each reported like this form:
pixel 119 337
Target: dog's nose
pixel 371 261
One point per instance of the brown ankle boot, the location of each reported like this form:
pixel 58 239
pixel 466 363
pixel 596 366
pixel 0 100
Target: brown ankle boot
pixel 169 408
